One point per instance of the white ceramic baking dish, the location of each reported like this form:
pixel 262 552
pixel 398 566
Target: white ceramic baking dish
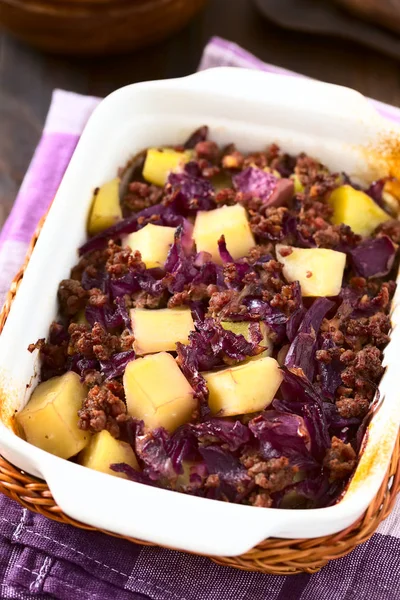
pixel 252 109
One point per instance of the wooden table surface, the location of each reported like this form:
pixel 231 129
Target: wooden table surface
pixel 28 77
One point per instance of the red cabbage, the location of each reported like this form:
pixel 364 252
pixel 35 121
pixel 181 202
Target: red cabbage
pixel 179 264
pixel 375 190
pixel 313 318
pixel 132 473
pixel 151 448
pixel 312 492
pixel 79 364
pixel 301 353
pixel 233 477
pixel 374 257
pixel 329 373
pixel 301 398
pixel 256 182
pixel 116 365
pixel 223 251
pixel 260 184
pixel 108 316
pixel 283 434
pixel 199 135
pixel 190 191
pixel 165 216
pixel 232 433
pixel 99 280
pixel 295 319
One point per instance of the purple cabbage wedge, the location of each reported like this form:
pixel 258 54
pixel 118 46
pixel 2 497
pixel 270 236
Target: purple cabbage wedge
pixel 375 190
pixel 374 257
pixel 301 353
pixel 260 184
pixel 329 372
pixel 109 316
pixel 199 135
pixel 179 265
pixel 301 398
pixel 283 434
pixel 116 365
pixel 190 191
pixel 232 433
pixel 233 479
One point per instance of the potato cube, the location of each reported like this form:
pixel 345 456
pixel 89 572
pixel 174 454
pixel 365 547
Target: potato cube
pixel 298 186
pixel 157 392
pixel 106 209
pixel 230 221
pixel 158 330
pixel 356 209
pixel 153 243
pixel 319 271
pixel 243 389
pixel 244 327
pixel 103 450
pixel 161 161
pixel 50 419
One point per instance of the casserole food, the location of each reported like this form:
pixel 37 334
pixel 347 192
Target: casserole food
pixel 251 525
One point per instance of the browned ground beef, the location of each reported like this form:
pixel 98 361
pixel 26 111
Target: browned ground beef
pixel 340 459
pixel 104 408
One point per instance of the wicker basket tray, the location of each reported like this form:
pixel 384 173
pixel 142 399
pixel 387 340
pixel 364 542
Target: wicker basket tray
pixel 274 556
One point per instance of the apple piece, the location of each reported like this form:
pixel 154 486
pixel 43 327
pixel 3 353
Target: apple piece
pixel 106 209
pixel 157 392
pixel 153 243
pixel 230 221
pixel 104 450
pixel 356 209
pixel 319 270
pixel 244 328
pixel 158 330
pixel 161 161
pixel 50 419
pixel 246 388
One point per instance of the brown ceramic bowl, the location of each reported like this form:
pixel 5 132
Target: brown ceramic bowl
pixel 95 26
pixel 385 13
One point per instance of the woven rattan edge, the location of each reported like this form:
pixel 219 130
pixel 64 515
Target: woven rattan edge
pixel 273 556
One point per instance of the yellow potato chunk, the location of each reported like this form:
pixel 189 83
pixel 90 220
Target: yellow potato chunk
pixel 103 450
pixel 298 186
pixel 158 330
pixel 50 419
pixel 243 389
pixel 106 210
pixel 243 328
pixel 319 271
pixel 153 243
pixel 230 221
pixel 157 392
pixel 356 209
pixel 161 161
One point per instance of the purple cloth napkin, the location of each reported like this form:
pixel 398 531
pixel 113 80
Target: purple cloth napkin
pixel 43 559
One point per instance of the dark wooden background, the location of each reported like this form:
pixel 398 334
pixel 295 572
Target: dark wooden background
pixel 28 77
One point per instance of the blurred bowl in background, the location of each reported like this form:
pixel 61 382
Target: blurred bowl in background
pixel 95 26
pixel 385 13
